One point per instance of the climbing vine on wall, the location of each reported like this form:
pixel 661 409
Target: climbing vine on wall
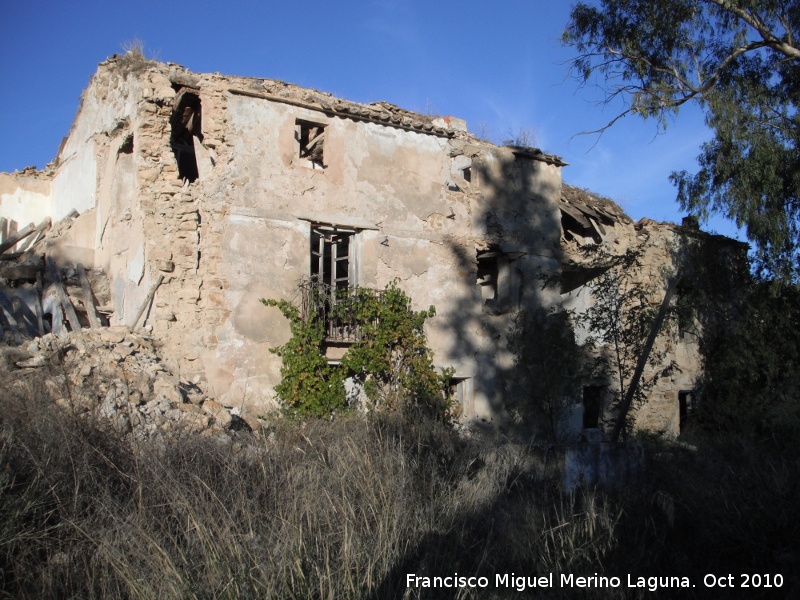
pixel 309 385
pixel 390 359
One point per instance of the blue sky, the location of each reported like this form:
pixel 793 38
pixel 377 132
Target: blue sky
pixel 501 67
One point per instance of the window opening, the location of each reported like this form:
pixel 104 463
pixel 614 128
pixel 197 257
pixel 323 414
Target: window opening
pixel 592 404
pixel 575 276
pixel 500 282
pixel 332 256
pixel 186 125
pixel 330 292
pixel 311 138
pixel 488 273
pixel 460 390
pixel 686 404
pixel 460 167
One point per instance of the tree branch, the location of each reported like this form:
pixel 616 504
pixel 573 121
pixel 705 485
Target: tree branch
pixel 770 39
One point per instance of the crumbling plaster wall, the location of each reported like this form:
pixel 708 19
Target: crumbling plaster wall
pixel 415 223
pixel 138 219
pixel 513 209
pixel 106 134
pixel 662 245
pixel 424 199
pixel 661 413
pixel 25 197
pixel 241 231
pixel 106 108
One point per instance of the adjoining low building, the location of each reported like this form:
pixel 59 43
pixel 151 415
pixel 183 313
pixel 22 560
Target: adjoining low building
pixel 233 189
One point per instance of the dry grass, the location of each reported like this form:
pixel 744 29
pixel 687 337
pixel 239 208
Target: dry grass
pixel 345 510
pixel 133 57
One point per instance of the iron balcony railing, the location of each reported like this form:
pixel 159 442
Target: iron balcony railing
pixel 338 308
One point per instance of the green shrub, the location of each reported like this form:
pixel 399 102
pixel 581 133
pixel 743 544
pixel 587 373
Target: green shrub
pixel 390 361
pixel 309 385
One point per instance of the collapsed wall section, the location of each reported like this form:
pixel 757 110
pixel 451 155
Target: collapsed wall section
pixel 175 207
pixel 663 250
pixel 139 215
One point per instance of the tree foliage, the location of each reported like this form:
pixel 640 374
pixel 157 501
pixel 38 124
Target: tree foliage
pixel 752 365
pixel 391 361
pixel 749 339
pixel 740 59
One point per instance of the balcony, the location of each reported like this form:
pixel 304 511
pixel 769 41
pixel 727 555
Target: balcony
pixel 338 308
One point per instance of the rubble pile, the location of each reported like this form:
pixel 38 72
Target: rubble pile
pixel 115 374
pixel 54 341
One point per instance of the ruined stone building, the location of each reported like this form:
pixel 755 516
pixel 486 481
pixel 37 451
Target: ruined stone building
pixel 233 189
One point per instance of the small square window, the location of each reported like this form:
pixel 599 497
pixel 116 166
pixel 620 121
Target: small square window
pixel 310 143
pixel 687 405
pixel 461 392
pixel 499 281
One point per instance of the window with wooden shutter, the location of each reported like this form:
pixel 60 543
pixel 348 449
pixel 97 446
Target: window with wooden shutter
pixel 332 254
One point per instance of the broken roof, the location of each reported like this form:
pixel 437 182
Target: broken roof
pixel 583 205
pixel 592 211
pixel 380 112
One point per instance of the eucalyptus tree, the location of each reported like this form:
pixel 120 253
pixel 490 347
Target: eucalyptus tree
pixel 740 60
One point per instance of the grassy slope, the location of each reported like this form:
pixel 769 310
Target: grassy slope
pixel 346 509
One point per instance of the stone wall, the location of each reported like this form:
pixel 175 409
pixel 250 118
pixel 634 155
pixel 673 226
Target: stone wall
pixel 662 248
pixel 463 225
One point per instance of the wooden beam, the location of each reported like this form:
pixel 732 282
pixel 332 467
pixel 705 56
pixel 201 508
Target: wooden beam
pixel 37 308
pixel 69 310
pixel 8 310
pixel 30 229
pixel 311 143
pixel 20 235
pixel 38 234
pixel 88 298
pixel 20 272
pixel 598 227
pixel 147 300
pixel 575 214
pixel 586 209
pixel 38 304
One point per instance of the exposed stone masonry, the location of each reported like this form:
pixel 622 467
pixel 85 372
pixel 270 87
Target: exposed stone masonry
pixel 196 188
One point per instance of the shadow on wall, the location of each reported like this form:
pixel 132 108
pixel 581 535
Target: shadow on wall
pixel 516 244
